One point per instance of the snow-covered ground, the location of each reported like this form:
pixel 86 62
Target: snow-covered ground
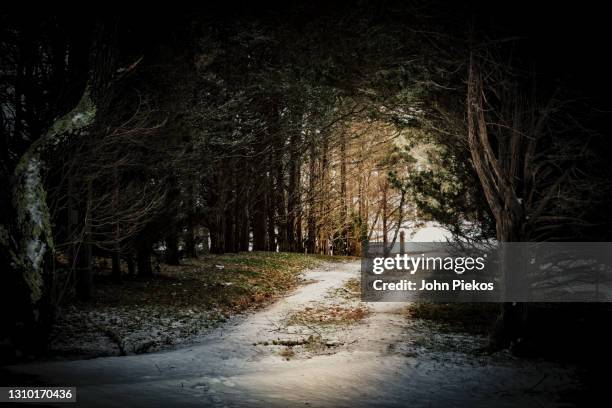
pixel 431 232
pixel 382 358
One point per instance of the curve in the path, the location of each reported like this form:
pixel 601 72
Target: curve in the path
pixel 376 366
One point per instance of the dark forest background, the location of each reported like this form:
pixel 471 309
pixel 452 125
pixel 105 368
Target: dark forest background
pixel 152 135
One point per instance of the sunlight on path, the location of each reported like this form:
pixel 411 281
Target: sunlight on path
pixel 385 359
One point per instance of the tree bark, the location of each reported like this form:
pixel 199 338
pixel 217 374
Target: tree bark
pixel 130 265
pixel 385 217
pixel 323 192
pixel 344 230
pixel 172 251
pixel 33 225
pixel 143 260
pixel 293 194
pixel 85 259
pixel 243 223
pixel 116 255
pixel 498 186
pixel 271 216
pixel 190 246
pixel 311 225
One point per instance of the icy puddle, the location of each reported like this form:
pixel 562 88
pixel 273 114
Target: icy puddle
pixel 319 347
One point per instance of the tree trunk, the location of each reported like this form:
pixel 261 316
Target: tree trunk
pixel 385 217
pixel 324 196
pixel 311 225
pixel 32 223
pixel 279 201
pixel 84 287
pixel 130 265
pixel 116 266
pixel 116 255
pixel 498 181
pixel 143 260
pixel 230 228
pixel 172 251
pixel 258 214
pixel 206 241
pixel 243 224
pixel 293 192
pixel 271 226
pixel 190 233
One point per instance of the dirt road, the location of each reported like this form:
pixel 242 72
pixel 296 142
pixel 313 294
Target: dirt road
pixel 320 346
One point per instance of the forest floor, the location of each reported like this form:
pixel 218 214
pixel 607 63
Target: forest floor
pixel 176 306
pixel 319 346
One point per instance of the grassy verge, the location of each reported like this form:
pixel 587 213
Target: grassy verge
pixel 176 305
pixel 472 318
pixel 230 282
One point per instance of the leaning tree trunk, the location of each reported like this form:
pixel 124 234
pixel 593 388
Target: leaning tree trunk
pixel 33 234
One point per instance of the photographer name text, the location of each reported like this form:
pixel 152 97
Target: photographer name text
pixel 432 286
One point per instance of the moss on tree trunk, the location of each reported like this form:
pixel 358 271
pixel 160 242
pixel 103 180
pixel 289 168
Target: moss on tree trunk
pixel 33 234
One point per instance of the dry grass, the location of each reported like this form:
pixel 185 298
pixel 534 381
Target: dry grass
pixel 231 282
pixel 473 318
pixel 176 304
pixel 350 291
pixel 303 347
pixel 322 315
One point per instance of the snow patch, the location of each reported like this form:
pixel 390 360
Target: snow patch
pixel 79 118
pixel 32 183
pixel 35 249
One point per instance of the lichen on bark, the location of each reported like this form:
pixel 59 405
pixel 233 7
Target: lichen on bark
pixel 33 223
